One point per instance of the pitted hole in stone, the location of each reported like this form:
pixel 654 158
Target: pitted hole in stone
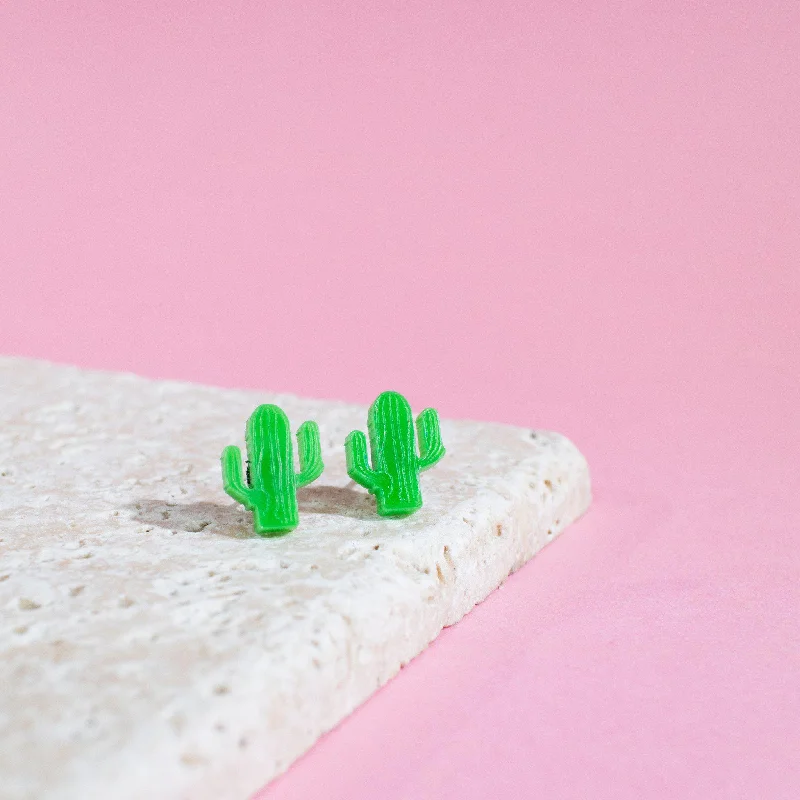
pixel 498 530
pixel 447 557
pixel 76 590
pixel 376 547
pixel 549 532
pixel 4 577
pixel 549 484
pixel 221 689
pixel 26 604
pixel 439 574
pixel 196 527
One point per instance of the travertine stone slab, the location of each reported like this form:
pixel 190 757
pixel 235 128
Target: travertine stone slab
pixel 152 647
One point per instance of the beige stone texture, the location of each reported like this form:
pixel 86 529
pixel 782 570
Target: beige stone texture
pixel 152 647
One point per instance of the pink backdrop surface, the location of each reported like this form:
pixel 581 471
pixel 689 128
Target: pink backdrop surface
pixel 574 216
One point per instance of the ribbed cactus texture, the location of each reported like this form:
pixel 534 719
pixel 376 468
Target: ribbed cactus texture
pixel 269 488
pixel 394 475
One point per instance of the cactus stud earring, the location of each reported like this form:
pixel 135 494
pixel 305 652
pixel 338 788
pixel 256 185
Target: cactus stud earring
pixel 270 489
pixel 394 477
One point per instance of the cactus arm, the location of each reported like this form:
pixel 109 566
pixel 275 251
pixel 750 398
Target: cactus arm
pixel 232 483
pixel 310 453
pixel 232 480
pixel 430 438
pixel 355 446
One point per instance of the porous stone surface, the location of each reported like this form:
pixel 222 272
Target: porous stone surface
pixel 152 646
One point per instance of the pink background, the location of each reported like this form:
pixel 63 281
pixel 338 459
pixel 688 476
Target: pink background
pixel 582 216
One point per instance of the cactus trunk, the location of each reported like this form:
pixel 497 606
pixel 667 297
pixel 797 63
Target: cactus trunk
pixel 394 475
pixel 269 488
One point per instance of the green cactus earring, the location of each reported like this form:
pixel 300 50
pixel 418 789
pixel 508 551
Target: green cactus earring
pixel 270 489
pixel 394 476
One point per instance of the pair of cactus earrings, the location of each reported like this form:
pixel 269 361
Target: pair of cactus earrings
pixel 268 486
